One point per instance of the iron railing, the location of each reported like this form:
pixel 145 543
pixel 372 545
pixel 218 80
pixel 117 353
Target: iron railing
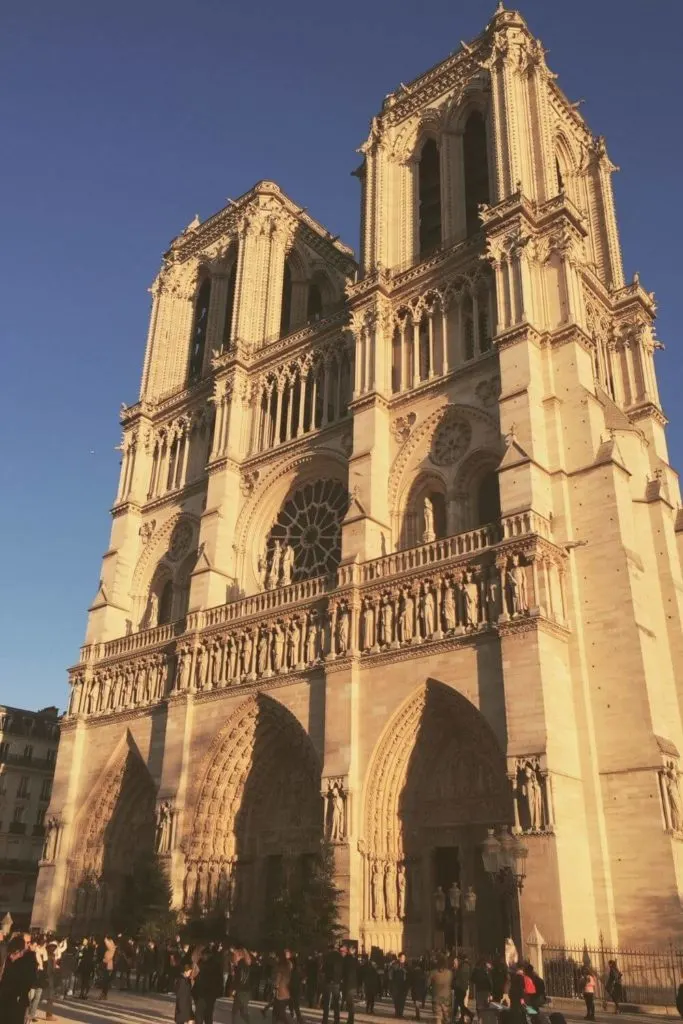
pixel 649 977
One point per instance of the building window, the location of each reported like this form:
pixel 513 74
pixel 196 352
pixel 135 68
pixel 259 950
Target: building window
pixel 29 890
pixel 22 791
pixel 286 315
pixel 229 307
pixel 475 158
pixel 166 604
pixel 51 756
pixel 19 811
pixel 28 751
pixel 560 179
pixel 4 751
pixel 429 175
pixel 201 320
pixel 46 789
pixel 314 308
pixel 40 816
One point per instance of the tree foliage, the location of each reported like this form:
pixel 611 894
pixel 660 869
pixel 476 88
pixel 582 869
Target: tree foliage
pixel 144 907
pixel 304 915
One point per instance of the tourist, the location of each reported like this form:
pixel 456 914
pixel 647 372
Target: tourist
pixel 281 988
pixel 417 980
pixel 208 984
pixel 51 975
pixel 333 977
pixel 537 997
pixel 613 986
pixel 108 961
pixel 679 999
pixel 38 949
pixel 462 975
pixel 370 984
pixel 67 965
pixel 294 988
pixel 184 1014
pixel 483 984
pixel 399 984
pixel 588 991
pixel 85 967
pixel 18 978
pixel 350 975
pixel 440 984
pixel 241 982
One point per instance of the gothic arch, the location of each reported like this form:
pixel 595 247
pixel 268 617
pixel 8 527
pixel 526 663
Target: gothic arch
pixel 260 511
pixel 438 760
pixel 170 543
pixel 113 828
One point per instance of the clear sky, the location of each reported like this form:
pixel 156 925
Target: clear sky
pixel 122 120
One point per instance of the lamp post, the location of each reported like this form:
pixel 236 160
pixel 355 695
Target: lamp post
pixel 504 857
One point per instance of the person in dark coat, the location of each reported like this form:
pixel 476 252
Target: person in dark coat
pixel 679 999
pixel 333 977
pixel 350 972
pixel 183 996
pixel 208 985
pixel 370 984
pixel 417 979
pixel 18 978
pixel 399 984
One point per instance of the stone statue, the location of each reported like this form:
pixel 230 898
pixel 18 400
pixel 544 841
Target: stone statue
pixel 335 812
pixel 428 534
pixel 427 611
pixel 277 647
pixel 293 642
pixel 153 610
pixel 190 893
pixel 262 571
pixel 390 891
pixel 312 640
pixel 386 621
pixel 401 883
pixel 342 628
pixel 262 652
pixel 454 895
pixel 163 827
pixel 247 646
pixel 448 608
pixel 200 667
pixel 673 792
pixel 368 623
pixel 376 890
pixel 214 663
pixel 273 577
pixel 439 901
pixel 51 837
pixel 531 791
pixel 230 659
pixel 287 565
pixel 515 578
pixel 470 602
pixel 407 617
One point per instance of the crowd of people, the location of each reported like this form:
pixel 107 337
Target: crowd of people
pixel 37 967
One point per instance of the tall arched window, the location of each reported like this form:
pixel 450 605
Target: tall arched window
pixel 314 307
pixel 488 499
pixel 475 159
pixel 558 172
pixel 201 320
pixel 166 604
pixel 429 174
pixel 286 315
pixel 229 307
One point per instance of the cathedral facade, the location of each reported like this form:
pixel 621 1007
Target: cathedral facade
pixel 395 551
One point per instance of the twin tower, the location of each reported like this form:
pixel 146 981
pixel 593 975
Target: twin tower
pixel 395 551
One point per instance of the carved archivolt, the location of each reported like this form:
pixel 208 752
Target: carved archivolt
pixel 163 541
pixel 261 774
pixel 437 763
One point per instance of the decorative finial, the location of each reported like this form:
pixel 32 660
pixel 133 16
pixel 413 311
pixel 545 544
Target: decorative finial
pixel 501 7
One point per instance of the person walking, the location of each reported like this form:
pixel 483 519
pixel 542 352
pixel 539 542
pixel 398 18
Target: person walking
pixel 17 980
pixel 282 992
pixel 108 961
pixel 184 1013
pixel 370 984
pixel 241 985
pixel 483 984
pixel 399 985
pixel 440 984
pixel 85 968
pixel 417 984
pixel 333 976
pixel 587 982
pixel 462 975
pixel 613 986
pixel 208 985
pixel 295 985
pixel 350 976
pixel 38 949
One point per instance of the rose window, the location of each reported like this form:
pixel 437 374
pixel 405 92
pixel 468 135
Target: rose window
pixel 310 521
pixel 451 440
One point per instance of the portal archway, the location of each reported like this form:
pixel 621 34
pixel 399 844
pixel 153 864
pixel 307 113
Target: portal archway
pixel 436 780
pixel 258 814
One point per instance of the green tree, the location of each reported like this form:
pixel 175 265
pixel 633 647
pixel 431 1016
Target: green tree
pixel 144 907
pixel 304 916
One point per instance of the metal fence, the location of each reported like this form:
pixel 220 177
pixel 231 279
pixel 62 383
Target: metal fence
pixel 649 977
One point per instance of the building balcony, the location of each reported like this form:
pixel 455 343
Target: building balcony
pixel 18 866
pixel 21 761
pixel 454 590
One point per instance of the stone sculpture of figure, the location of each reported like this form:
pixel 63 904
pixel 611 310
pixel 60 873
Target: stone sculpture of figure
pixel 531 790
pixel 368 623
pixel 230 658
pixel 439 901
pixel 402 884
pixel 428 535
pixel 335 812
pixel 51 836
pixel 390 891
pixel 214 663
pixel 448 608
pixel 262 652
pixel 454 894
pixel 312 639
pixel 407 616
pixel 293 642
pixel 515 578
pixel 153 609
pixel 492 595
pixel 247 646
pixel 182 672
pixel 469 595
pixel 278 647
pixel 673 792
pixel 426 605
pixel 262 571
pixel 377 891
pixel 273 577
pixel 190 892
pixel 163 829
pixel 200 667
pixel 386 621
pixel 287 565
pixel 342 628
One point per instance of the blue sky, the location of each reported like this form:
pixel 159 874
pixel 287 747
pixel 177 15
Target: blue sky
pixel 123 120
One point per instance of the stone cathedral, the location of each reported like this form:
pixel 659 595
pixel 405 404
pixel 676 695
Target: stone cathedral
pixel 395 550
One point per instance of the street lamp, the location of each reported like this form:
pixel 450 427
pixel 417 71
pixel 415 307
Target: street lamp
pixel 504 857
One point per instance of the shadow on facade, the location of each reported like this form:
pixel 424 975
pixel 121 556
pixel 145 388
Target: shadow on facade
pixel 455 785
pixel 258 817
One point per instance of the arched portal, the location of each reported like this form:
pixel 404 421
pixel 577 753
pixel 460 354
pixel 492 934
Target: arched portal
pixel 258 815
pixel 436 780
pixel 113 830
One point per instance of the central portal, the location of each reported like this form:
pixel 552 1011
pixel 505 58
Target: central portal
pixel 436 781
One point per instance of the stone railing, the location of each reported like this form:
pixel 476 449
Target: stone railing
pixel 455 587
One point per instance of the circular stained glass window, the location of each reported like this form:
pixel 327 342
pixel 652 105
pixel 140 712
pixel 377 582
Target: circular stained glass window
pixel 310 520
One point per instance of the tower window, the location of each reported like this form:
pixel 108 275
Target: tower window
pixel 314 309
pixel 560 179
pixel 229 307
pixel 488 499
pixel 429 173
pixel 476 163
pixel 201 320
pixel 286 316
pixel 166 604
